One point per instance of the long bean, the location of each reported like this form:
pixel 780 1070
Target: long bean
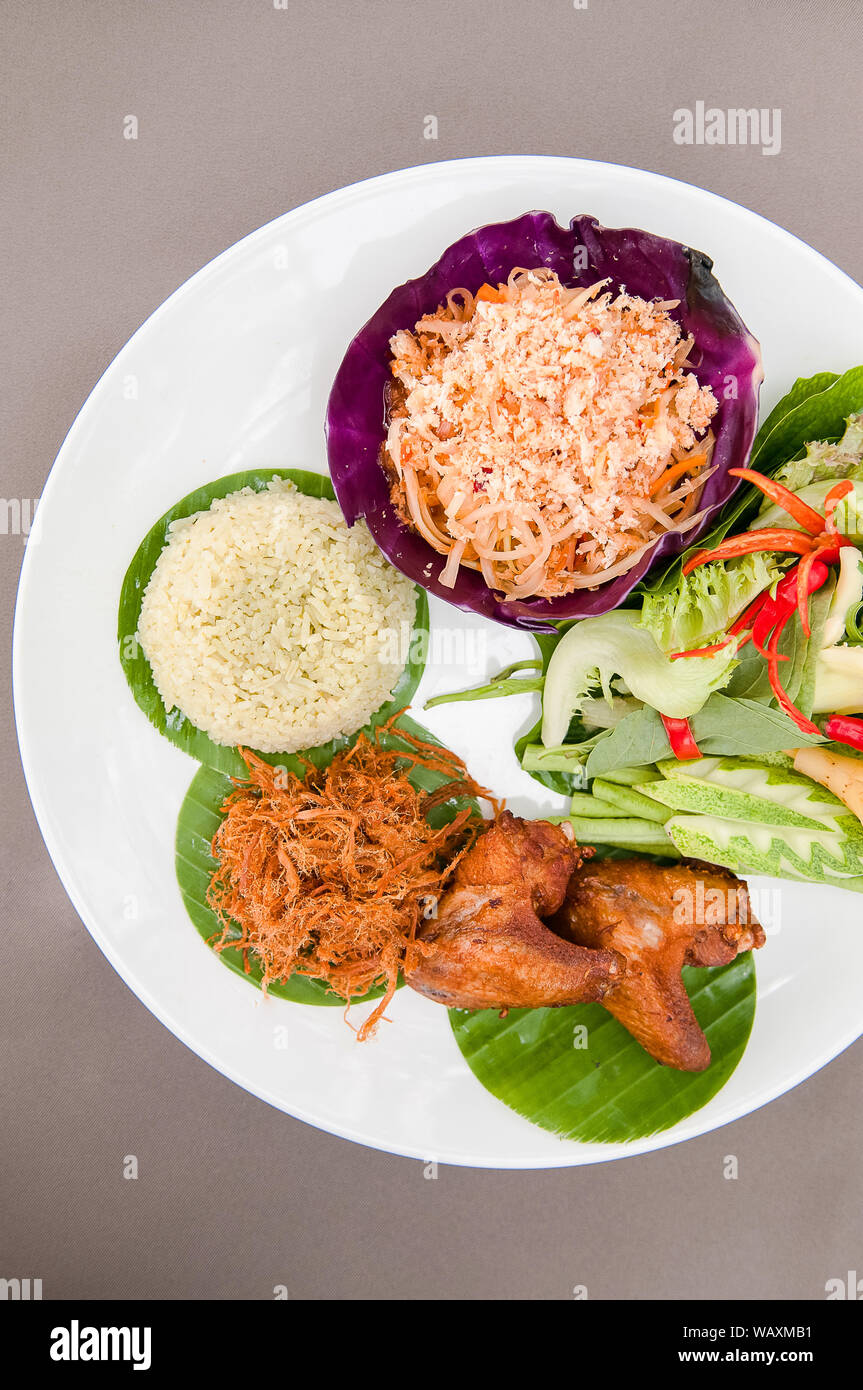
pixel 630 801
pixel 584 804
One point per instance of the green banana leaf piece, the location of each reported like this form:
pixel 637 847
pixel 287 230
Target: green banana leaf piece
pixel 803 389
pixel 200 817
pixel 813 409
pixel 609 1090
pixel 174 725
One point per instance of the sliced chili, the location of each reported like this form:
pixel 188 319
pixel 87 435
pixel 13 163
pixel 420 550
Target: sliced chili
pixel 811 574
pixel 807 516
pixel 748 616
pixel 779 538
pixel 681 738
pixel 772 613
pixel 703 651
pixel 843 728
pixel 782 698
pixel 766 618
pixel 832 500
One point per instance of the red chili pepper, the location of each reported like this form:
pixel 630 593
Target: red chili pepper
pixel 782 699
pixel 680 736
pixel 802 513
pixel 811 575
pixel 829 551
pixel 844 729
pixel 772 613
pixel 702 651
pixel 766 618
pixel 832 500
pixel 748 616
pixel 771 538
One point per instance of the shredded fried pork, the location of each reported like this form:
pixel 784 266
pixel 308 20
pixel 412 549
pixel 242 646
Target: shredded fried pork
pixel 328 875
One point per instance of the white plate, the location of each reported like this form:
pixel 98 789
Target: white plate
pixel 233 372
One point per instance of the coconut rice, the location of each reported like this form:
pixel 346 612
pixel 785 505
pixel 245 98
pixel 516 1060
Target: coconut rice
pixel 270 623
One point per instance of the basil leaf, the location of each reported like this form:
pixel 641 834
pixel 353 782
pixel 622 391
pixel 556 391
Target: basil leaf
pixel 803 389
pixel 745 728
pixel 636 741
pixel 819 415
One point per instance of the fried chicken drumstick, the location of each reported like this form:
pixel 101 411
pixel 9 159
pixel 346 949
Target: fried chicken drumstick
pixel 530 921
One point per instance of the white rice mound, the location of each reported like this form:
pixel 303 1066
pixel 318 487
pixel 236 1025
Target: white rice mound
pixel 270 623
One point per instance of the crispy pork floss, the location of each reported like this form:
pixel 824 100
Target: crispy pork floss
pixel 529 920
pixel 326 875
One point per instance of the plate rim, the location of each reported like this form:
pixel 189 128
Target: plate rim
pixel 572 1155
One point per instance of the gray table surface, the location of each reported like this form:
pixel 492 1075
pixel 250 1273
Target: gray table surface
pixel 247 108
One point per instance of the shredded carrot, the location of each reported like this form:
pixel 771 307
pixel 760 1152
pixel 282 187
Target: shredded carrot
pixel 490 294
pixel 670 475
pixel 328 875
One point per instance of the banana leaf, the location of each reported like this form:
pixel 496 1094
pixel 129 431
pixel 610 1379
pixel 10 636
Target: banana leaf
pixel 174 724
pixel 199 819
pixel 610 1090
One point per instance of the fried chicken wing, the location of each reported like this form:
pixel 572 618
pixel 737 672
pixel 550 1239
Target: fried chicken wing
pixel 488 946
pixel 616 931
pixel 659 918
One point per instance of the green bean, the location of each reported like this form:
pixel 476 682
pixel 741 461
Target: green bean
pixel 631 802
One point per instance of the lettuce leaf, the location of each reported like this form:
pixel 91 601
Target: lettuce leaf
pixel 595 651
pixel 824 460
pixel 702 605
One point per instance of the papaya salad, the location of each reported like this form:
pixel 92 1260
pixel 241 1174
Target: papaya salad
pixel 544 435
pixel 562 408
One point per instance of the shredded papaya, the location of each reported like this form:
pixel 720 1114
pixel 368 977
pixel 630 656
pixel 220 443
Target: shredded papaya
pixel 328 875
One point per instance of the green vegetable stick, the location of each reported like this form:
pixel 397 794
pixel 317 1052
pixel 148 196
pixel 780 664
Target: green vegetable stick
pixel 631 801
pixel 583 804
pixel 564 758
pixel 627 832
pixel 630 776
